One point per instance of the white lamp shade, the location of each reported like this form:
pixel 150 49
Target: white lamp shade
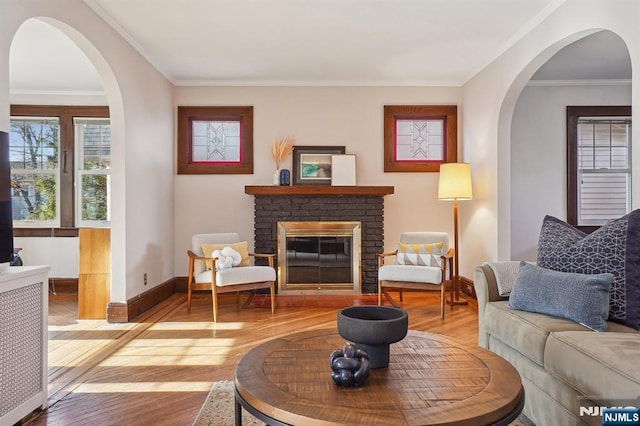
pixel 455 182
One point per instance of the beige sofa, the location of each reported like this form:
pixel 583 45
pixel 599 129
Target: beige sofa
pixel 563 365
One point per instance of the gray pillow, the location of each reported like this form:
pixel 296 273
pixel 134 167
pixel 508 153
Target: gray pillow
pixel 582 298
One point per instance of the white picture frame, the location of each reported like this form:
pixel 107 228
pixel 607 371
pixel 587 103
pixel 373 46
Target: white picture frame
pixel 343 170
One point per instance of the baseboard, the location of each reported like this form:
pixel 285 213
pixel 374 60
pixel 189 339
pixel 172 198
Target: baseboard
pixel 63 285
pixel 181 284
pixel 466 287
pixel 118 312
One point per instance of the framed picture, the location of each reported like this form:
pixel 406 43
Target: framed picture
pixel 312 164
pixel 343 170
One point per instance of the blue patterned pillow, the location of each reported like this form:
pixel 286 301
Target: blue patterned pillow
pixel 614 248
pixel 577 297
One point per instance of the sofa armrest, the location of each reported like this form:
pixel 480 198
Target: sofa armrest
pixel 485 284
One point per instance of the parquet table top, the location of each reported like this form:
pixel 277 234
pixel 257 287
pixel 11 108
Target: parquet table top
pixel 431 380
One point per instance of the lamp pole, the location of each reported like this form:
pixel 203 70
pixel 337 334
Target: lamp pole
pixel 455 284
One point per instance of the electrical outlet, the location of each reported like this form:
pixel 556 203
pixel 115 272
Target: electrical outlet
pixel 145 278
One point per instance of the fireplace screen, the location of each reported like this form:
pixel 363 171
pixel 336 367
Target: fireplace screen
pixel 319 256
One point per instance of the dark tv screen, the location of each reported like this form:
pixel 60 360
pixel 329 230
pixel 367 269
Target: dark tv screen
pixel 6 217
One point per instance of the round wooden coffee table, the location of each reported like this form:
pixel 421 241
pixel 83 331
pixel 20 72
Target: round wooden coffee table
pixel 431 380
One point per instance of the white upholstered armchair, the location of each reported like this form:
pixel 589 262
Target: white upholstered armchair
pixel 421 264
pixel 203 275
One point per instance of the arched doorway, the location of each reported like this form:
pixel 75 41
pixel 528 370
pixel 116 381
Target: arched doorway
pixel 53 65
pixel 594 70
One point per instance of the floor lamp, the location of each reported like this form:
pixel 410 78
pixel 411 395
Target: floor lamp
pixel 455 184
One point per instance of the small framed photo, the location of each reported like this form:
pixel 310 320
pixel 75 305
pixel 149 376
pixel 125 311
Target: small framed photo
pixel 343 170
pixel 312 164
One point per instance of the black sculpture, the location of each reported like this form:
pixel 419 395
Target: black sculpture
pixel 350 366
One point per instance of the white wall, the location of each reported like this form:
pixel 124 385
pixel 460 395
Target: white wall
pixel 60 253
pixel 488 103
pixel 141 105
pixel 538 156
pixel 349 116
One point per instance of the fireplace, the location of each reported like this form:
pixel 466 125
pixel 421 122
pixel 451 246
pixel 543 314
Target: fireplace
pixel 322 256
pixel 323 203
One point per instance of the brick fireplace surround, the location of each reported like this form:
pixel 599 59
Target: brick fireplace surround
pixel 364 204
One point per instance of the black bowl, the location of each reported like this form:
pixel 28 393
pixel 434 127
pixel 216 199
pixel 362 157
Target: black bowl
pixel 373 329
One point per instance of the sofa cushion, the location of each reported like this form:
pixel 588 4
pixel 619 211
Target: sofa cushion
pixel 524 331
pixel 613 248
pixel 599 365
pixel 578 297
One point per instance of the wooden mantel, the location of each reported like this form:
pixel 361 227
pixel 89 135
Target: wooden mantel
pixel 318 190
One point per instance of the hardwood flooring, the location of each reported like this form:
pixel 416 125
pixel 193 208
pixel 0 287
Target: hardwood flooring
pixel 158 369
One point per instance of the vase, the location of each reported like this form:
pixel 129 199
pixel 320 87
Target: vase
pixel 276 177
pixel 373 329
pixel 285 177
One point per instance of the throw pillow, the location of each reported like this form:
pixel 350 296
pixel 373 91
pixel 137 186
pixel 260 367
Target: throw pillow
pixel 420 254
pixel 578 297
pixel 613 248
pixel 241 248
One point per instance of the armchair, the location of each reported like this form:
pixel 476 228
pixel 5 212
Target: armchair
pixel 204 276
pixel 421 265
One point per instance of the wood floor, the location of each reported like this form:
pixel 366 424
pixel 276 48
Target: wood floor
pixel 159 369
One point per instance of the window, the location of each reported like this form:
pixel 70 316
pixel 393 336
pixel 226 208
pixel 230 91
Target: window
pixel 215 140
pixel 418 138
pixel 93 171
pixel 599 164
pixel 33 156
pixel 45 144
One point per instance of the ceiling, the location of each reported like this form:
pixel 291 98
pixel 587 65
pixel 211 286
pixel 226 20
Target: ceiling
pixel 309 42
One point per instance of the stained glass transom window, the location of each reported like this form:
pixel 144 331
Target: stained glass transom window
pixel 419 140
pixel 215 141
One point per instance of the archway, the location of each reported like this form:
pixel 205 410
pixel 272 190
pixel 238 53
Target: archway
pixel 533 179
pixel 85 57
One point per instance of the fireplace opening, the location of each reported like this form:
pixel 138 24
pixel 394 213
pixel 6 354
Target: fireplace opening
pixel 318 256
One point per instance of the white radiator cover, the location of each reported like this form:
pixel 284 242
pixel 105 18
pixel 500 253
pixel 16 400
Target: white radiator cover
pixel 24 295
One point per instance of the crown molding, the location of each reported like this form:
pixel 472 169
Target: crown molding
pixel 590 82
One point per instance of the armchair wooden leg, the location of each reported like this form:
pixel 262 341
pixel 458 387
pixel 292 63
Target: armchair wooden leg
pixel 442 297
pixel 214 298
pixel 273 298
pixel 379 294
pixel 189 281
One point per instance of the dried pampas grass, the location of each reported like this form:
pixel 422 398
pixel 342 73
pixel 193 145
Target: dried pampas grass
pixel 281 149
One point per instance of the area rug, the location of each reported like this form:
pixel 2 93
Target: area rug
pixel 219 409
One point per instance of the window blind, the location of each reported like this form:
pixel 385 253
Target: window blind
pixel 604 169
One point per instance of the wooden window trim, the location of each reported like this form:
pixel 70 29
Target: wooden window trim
pixel 45 232
pixel 242 113
pixel 67 159
pixel 573 113
pixel 393 112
